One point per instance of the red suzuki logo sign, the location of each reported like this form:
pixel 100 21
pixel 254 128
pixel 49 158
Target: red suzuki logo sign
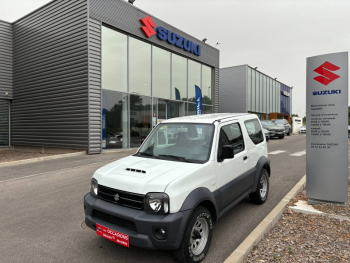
pixel 148 26
pixel 325 70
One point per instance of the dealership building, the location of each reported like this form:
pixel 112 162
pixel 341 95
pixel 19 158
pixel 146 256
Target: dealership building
pixel 98 74
pixel 245 89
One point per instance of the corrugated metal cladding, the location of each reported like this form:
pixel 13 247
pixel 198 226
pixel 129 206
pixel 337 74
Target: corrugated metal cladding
pixel 95 101
pixel 216 88
pixel 122 15
pixel 4 122
pixel 285 100
pixel 50 105
pixel 233 89
pixel 5 60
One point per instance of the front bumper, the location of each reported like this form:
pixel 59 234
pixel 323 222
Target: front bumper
pixel 140 226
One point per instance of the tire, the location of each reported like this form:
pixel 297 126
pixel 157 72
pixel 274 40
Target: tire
pixel 187 252
pixel 262 191
pixel 288 133
pixel 281 137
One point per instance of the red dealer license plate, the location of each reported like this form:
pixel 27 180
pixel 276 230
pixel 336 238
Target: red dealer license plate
pixel 112 235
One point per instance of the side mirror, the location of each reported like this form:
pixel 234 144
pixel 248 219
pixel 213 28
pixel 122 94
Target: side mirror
pixel 227 152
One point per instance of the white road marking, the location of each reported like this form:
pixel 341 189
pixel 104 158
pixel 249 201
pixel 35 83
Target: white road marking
pixel 277 152
pixel 298 153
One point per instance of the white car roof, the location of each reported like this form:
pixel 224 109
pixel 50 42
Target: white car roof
pixel 211 118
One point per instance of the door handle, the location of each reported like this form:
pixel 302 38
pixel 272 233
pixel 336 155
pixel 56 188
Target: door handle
pixel 245 158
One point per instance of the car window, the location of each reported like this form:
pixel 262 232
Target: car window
pixel 231 135
pixel 254 131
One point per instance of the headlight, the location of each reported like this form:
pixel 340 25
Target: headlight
pixel 94 187
pixel 156 203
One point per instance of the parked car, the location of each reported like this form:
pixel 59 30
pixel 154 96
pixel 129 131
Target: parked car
pixel 302 129
pixel 267 134
pixel 274 130
pixel 285 124
pixel 348 131
pixel 168 195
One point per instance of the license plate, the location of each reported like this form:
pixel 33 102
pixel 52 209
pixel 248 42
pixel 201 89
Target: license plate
pixel 279 132
pixel 112 235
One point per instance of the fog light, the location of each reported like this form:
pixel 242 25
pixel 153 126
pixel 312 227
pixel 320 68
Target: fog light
pixel 162 231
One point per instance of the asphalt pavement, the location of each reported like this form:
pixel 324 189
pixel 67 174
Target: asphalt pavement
pixel 41 210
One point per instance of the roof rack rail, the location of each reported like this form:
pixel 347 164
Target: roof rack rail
pixel 219 120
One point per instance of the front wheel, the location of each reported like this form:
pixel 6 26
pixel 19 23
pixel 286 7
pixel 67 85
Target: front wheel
pixel 288 133
pixel 197 237
pixel 262 191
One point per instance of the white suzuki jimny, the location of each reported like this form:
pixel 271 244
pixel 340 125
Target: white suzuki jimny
pixel 187 174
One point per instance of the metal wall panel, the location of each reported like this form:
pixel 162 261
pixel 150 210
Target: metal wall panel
pixel 4 122
pixel 233 89
pixel 6 83
pixel 126 17
pixel 50 95
pixel 95 91
pixel 216 92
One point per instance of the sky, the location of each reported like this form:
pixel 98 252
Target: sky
pixel 274 35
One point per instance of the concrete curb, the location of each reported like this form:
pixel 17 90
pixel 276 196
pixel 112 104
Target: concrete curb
pixel 118 151
pixel 244 249
pixel 33 160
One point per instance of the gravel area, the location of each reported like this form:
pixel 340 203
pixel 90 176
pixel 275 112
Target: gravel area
pixel 299 237
pixel 10 156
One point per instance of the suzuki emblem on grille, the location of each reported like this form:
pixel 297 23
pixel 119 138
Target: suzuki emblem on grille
pixel 116 197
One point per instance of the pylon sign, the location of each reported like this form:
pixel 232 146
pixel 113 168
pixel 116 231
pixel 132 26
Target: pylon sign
pixel 326 127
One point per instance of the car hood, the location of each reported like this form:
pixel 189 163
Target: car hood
pixel 273 127
pixel 142 175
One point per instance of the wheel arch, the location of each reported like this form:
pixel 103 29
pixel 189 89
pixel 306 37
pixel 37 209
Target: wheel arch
pixel 201 197
pixel 263 163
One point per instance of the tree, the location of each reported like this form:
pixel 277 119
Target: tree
pixel 304 120
pixel 295 115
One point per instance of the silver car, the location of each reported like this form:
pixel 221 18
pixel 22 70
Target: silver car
pixel 285 124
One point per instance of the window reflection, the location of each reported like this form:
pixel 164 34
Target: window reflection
pixel 114 60
pixel 161 73
pixel 206 85
pixel 140 119
pixel 140 67
pixel 194 79
pixel 115 116
pixel 179 78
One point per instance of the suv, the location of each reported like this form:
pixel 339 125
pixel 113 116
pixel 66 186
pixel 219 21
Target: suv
pixel 285 124
pixel 168 195
pixel 274 130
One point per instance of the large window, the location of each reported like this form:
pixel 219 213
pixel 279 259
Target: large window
pixel 114 60
pixel 140 119
pixel 179 77
pixel 140 67
pixel 4 123
pixel 194 79
pixel 115 119
pixel 161 73
pixel 206 85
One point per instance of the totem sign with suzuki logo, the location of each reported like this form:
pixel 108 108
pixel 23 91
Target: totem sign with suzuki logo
pixel 327 128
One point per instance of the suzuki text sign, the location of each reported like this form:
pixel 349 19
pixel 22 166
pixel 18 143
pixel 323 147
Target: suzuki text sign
pixel 326 122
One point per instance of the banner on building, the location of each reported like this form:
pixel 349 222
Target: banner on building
pixel 198 101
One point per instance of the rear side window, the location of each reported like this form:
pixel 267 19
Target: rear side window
pixel 254 131
pixel 231 135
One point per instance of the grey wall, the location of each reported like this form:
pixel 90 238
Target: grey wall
pixel 5 60
pixel 50 105
pixel 126 17
pixel 233 89
pixel 95 93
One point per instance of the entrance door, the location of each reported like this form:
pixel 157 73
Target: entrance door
pixel 170 109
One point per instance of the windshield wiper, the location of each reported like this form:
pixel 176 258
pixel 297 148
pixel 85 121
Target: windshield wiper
pixel 175 157
pixel 147 154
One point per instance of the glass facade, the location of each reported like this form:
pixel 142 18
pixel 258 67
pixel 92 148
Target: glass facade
pixel 143 84
pixel 263 94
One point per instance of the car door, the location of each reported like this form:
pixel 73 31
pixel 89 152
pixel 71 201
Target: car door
pixel 230 172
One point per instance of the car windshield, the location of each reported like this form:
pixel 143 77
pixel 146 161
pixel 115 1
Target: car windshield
pixel 303 127
pixel 267 123
pixel 279 121
pixel 179 141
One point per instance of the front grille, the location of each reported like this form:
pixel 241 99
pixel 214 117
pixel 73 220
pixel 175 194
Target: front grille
pixel 114 220
pixel 125 199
